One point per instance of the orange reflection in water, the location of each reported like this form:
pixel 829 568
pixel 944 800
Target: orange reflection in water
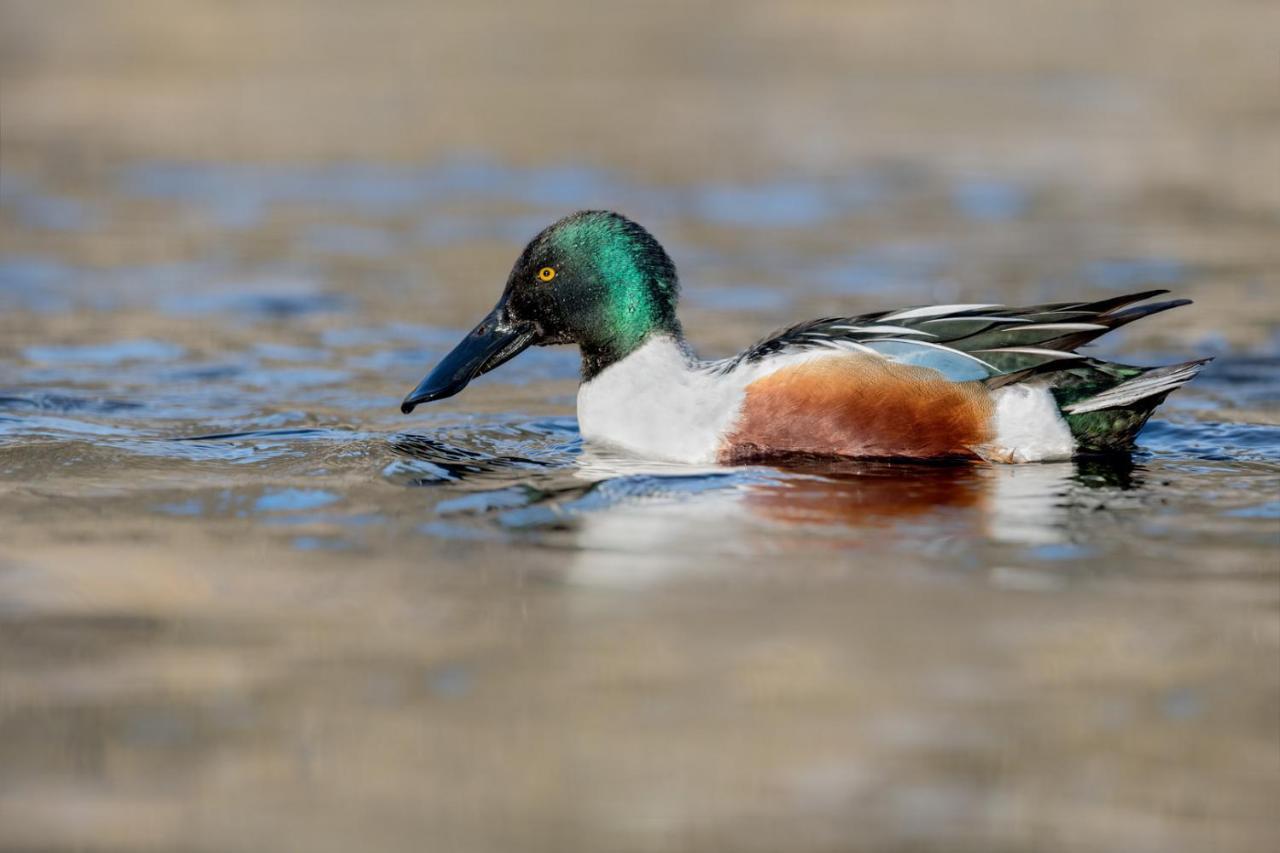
pixel 871 494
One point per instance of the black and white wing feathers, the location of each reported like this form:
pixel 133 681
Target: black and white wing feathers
pixel 963 342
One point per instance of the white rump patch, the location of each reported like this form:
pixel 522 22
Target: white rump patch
pixel 1029 427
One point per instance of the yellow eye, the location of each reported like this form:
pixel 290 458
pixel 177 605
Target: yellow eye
pixel 546 274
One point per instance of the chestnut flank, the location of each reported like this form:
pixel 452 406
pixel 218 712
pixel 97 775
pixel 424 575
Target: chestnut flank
pixel 860 406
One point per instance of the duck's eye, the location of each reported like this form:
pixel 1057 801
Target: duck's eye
pixel 546 274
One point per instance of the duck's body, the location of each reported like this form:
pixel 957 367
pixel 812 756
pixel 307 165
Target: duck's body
pixel 954 381
pixel 662 403
pixel 839 396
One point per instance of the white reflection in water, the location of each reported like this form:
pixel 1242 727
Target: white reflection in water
pixel 1028 503
pixel 641 523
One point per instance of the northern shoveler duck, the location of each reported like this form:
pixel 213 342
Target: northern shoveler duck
pixel 977 381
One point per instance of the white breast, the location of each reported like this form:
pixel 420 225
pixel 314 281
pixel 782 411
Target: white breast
pixel 657 404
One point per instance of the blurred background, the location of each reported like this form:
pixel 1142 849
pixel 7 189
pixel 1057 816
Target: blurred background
pixel 245 604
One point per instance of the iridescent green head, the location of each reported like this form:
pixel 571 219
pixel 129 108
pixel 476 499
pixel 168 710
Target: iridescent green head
pixel 598 280
pixel 595 278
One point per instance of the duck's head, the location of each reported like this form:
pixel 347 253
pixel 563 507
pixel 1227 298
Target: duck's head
pixel 595 278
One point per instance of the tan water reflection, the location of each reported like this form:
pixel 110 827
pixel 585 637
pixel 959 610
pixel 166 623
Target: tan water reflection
pixel 653 683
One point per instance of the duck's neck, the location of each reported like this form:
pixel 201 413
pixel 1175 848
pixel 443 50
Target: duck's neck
pixel 598 356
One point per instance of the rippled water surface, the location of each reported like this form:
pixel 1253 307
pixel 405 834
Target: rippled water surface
pixel 244 599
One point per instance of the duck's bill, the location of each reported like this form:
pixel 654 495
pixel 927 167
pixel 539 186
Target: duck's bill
pixel 492 343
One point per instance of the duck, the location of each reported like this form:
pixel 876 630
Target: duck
pixel 982 382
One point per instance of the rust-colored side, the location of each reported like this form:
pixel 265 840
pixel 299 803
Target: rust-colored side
pixel 859 406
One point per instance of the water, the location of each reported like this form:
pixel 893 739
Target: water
pixel 243 599
pixel 235 575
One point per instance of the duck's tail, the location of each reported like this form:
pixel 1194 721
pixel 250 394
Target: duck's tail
pixel 1105 404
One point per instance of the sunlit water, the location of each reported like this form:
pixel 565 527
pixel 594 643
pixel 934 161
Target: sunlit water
pixel 236 580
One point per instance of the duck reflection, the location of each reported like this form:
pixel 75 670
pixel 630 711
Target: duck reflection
pixel 866 494
pixel 624 505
